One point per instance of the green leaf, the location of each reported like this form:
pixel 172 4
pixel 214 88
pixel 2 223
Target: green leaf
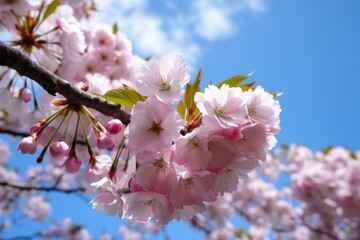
pixel 247 86
pixel 327 150
pixel 51 9
pixel 275 95
pixel 234 81
pixel 181 109
pixel 125 97
pixel 353 156
pixel 191 89
pixel 115 28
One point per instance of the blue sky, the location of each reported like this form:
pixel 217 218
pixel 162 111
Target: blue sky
pixel 309 48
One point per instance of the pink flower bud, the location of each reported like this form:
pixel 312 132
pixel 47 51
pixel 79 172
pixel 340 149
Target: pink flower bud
pixel 104 141
pixel 72 163
pixel 114 126
pixel 35 128
pixel 25 94
pixel 27 145
pixel 58 149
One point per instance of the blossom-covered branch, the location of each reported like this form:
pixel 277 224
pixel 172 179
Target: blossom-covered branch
pixel 53 84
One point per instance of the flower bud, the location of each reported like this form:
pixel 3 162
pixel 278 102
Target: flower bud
pixel 104 141
pixel 58 149
pixel 36 127
pixel 27 145
pixel 72 163
pixel 114 126
pixel 25 94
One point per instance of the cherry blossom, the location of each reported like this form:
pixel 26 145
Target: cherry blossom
pixel 164 78
pixel 154 125
pixel 28 145
pixel 225 106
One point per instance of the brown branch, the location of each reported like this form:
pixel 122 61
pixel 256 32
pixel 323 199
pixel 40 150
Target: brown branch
pixel 321 232
pixel 24 187
pixel 18 61
pixel 14 133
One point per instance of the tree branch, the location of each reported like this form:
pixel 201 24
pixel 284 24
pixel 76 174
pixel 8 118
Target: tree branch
pixel 18 61
pixel 14 133
pixel 24 187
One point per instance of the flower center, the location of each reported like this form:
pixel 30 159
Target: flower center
pixel 156 128
pixel 229 172
pixel 26 30
pixel 164 85
pixel 189 183
pixel 252 111
pixel 160 165
pixel 149 203
pixel 220 110
pixel 193 143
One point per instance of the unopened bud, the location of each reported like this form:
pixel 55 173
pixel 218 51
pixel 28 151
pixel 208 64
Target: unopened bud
pixel 114 126
pixel 25 94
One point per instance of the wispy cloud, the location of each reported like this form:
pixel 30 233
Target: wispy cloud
pixel 176 28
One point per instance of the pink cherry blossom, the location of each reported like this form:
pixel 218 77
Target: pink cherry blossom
pixel 192 151
pixel 253 142
pixel 157 174
pixel 193 189
pixel 262 108
pixel 100 166
pixel 164 78
pixel 109 202
pixel 227 179
pixel 27 145
pixel 154 125
pixel 224 106
pixel 143 206
pixel 222 152
pixel 37 208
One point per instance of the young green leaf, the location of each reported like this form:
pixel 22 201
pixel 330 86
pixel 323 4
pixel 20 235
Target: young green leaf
pixel 125 97
pixel 181 109
pixel 51 9
pixel 247 86
pixel 277 94
pixel 191 89
pixel 115 28
pixel 234 81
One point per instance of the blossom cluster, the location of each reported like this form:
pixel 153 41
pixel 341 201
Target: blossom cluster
pixel 328 184
pixel 310 195
pixel 183 147
pixel 170 175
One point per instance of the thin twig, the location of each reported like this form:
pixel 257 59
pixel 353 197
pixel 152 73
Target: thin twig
pixel 17 60
pixel 24 187
pixel 14 133
pixel 27 237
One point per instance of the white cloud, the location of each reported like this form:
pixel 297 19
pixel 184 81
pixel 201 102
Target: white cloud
pixel 255 5
pixel 211 21
pixel 173 29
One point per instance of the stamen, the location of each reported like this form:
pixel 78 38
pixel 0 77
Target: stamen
pixel 156 128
